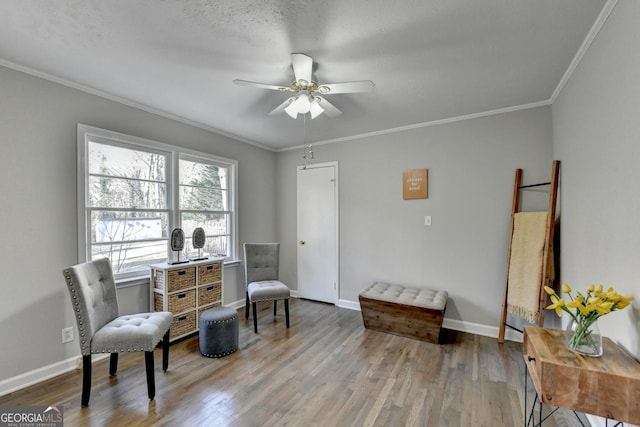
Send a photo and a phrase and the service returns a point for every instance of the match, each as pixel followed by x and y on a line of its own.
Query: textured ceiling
pixel 430 59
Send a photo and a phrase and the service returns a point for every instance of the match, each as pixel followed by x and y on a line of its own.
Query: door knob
pixel 302 242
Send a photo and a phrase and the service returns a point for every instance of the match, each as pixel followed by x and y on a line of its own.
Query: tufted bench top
pixel 436 300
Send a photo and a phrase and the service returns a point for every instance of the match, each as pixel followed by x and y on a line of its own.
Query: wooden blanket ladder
pixel 548 243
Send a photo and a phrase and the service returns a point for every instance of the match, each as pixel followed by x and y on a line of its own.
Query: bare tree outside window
pixel 134 192
pixel 128 201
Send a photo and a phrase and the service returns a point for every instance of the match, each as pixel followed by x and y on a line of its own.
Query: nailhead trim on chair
pixel 84 346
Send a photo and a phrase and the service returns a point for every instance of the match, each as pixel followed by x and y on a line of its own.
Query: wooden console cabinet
pixel 186 290
pixel 607 386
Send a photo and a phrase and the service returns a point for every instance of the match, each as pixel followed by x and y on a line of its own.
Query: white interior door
pixel 318 232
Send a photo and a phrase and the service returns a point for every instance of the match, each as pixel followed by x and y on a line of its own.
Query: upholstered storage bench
pixel 408 312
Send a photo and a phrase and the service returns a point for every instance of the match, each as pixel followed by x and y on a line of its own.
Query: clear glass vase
pixel 583 337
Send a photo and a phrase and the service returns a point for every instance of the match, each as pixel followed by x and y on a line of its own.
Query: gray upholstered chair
pixel 261 268
pixel 101 329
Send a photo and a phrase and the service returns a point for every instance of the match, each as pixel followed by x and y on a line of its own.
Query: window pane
pixel 216 228
pixel 107 192
pixel 126 162
pixel 130 257
pixel 114 226
pixel 203 199
pixel 202 175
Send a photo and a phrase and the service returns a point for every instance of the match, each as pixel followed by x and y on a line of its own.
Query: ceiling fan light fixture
pixel 291 111
pixel 315 109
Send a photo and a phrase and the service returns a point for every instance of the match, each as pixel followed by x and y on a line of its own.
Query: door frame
pixel 336 215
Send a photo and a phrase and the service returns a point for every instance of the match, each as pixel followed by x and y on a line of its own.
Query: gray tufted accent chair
pixel 261 268
pixel 100 328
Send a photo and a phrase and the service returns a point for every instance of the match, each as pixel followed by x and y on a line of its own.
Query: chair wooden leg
pixel 113 364
pixel 286 311
pixel 246 307
pixel 255 317
pixel 165 351
pixel 275 306
pixel 151 381
pixel 86 380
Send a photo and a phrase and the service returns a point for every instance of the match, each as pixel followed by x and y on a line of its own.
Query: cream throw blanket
pixel 525 266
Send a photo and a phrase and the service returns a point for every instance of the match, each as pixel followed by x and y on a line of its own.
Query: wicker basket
pixel 209 294
pixel 183 324
pixel 181 279
pixel 183 301
pixel 158 302
pixel 209 273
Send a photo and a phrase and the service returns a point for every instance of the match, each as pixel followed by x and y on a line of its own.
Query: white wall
pixel 471 167
pixel 38 208
pixel 597 136
pixel 596 122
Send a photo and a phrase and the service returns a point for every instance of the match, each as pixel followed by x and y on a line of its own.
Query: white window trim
pixel 86 133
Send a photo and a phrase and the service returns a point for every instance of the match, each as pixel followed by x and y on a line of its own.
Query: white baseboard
pixel 479 329
pixel 351 305
pixel 37 375
pixel 42 374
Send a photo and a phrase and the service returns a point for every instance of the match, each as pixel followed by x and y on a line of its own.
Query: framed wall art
pixel 414 184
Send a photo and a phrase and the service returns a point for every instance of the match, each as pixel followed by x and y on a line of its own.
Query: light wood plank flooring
pixel 326 370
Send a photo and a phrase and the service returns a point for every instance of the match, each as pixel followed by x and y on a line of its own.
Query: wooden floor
pixel 326 370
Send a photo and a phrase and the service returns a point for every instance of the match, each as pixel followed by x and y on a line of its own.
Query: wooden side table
pixel 607 386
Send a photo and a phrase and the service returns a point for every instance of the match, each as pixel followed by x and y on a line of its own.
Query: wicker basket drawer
pixel 180 279
pixel 176 303
pixel 183 301
pixel 209 273
pixel 183 324
pixel 209 294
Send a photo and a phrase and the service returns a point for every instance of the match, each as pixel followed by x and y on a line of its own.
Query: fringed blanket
pixel 525 266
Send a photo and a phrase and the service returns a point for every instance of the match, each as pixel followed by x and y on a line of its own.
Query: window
pixel 132 192
pixel 204 202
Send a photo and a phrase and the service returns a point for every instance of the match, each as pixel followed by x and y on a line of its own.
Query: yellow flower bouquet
pixel 582 334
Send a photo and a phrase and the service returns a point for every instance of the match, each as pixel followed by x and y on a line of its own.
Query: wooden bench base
pixel 401 319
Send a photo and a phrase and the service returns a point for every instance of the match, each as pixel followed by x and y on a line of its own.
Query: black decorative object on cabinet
pixel 198 240
pixel 177 244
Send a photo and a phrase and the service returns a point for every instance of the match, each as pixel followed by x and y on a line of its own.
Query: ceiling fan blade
pixel 280 108
pixel 347 87
pixel 329 109
pixel 261 85
pixel 302 66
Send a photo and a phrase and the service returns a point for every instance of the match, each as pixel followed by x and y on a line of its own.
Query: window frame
pixel 86 134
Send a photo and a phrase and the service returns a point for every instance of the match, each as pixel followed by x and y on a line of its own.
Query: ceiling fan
pixel 309 95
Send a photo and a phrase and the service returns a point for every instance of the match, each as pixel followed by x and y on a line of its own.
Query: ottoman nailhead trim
pixel 226 353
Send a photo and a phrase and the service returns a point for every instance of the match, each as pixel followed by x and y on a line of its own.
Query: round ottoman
pixel 218 331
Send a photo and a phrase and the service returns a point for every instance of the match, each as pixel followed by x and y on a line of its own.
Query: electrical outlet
pixel 67 335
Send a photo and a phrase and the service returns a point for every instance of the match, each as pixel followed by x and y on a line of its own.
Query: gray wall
pixel 471 167
pixel 39 215
pixel 597 137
